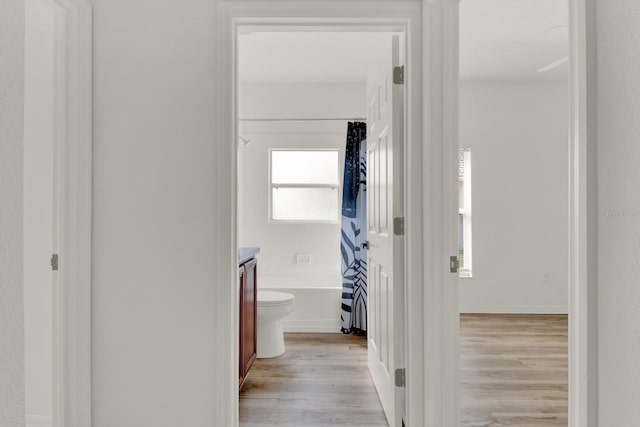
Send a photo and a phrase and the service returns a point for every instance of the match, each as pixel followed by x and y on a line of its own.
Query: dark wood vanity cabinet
pixel 248 311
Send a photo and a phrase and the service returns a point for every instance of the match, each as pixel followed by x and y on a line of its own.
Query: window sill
pixel 304 221
pixel 465 274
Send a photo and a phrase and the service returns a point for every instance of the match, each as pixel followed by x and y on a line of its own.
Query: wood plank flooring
pixel 321 380
pixel 513 370
pixel 513 373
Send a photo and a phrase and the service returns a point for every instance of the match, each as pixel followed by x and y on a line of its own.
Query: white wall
pixel 38 210
pixel 302 100
pixel 11 199
pixel 518 136
pixel 618 68
pixel 154 284
pixel 279 242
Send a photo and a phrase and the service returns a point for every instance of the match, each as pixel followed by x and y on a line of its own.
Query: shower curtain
pixel 354 231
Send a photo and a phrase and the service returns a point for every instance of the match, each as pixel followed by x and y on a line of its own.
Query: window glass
pixel 304 167
pixel 313 204
pixel 464 212
pixel 305 185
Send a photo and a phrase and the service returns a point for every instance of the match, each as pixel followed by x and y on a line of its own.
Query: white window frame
pixel 272 186
pixel 467 271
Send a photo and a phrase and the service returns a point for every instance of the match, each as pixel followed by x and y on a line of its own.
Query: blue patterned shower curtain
pixel 354 231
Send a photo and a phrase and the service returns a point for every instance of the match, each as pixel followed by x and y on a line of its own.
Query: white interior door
pixel 385 255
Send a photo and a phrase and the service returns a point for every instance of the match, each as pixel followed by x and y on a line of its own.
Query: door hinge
pixel 398 226
pixel 398 75
pixel 400 377
pixel 454 263
pixel 54 262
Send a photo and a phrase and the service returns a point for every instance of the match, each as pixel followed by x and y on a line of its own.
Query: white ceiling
pixel 512 39
pixel 499 40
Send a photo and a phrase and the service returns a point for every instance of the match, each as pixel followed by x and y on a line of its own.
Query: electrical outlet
pixel 303 258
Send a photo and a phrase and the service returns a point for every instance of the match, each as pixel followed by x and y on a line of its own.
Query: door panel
pixel 385 254
pixel 384 186
pixel 372 167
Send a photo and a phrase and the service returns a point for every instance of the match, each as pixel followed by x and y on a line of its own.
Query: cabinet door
pixel 249 307
pixel 241 285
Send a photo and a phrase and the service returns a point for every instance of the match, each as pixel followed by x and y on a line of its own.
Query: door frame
pixel 339 15
pixel 583 216
pixel 73 175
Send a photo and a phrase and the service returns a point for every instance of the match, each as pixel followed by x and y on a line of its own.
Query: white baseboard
pixel 514 309
pixel 38 421
pixel 315 325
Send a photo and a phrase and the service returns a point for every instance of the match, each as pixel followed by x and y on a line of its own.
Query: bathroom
pixel 298 92
pixel 299 256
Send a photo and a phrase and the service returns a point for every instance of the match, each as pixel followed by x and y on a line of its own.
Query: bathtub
pixel 318 299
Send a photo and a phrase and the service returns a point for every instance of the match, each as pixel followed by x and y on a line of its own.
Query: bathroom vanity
pixel 248 308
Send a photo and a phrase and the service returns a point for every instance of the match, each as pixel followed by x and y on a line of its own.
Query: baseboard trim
pixel 316 325
pixel 38 421
pixel 514 309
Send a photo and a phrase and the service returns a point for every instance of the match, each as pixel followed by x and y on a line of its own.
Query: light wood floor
pixel 321 380
pixel 513 373
pixel 513 370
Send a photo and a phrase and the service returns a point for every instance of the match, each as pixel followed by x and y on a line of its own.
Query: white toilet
pixel 272 307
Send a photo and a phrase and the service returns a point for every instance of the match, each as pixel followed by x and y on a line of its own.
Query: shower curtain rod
pixel 353 119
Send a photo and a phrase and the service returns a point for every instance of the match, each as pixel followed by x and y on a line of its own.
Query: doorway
pixel 293 115
pixel 514 175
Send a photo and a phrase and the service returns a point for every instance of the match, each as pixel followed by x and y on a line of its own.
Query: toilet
pixel 272 307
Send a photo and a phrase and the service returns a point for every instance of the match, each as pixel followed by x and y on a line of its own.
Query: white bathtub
pixel 318 299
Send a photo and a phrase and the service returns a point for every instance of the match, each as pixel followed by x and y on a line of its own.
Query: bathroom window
pixel 464 211
pixel 304 185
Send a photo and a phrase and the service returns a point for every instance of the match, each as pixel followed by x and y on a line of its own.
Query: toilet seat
pixel 274 299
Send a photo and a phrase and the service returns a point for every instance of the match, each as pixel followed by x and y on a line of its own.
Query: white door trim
pixel 344 15
pixel 73 150
pixel 440 300
pixel 583 213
